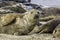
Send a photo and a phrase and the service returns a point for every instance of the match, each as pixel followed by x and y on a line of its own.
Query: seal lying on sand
pixel 16 25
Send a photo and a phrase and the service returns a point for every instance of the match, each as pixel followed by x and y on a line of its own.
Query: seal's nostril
pixel 36 16
pixel 38 12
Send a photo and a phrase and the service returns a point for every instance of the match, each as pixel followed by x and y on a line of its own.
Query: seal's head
pixel 33 14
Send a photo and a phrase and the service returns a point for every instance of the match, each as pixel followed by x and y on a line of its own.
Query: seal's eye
pixel 31 12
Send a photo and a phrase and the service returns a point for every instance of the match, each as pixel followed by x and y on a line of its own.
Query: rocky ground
pixel 19 23
pixel 28 37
